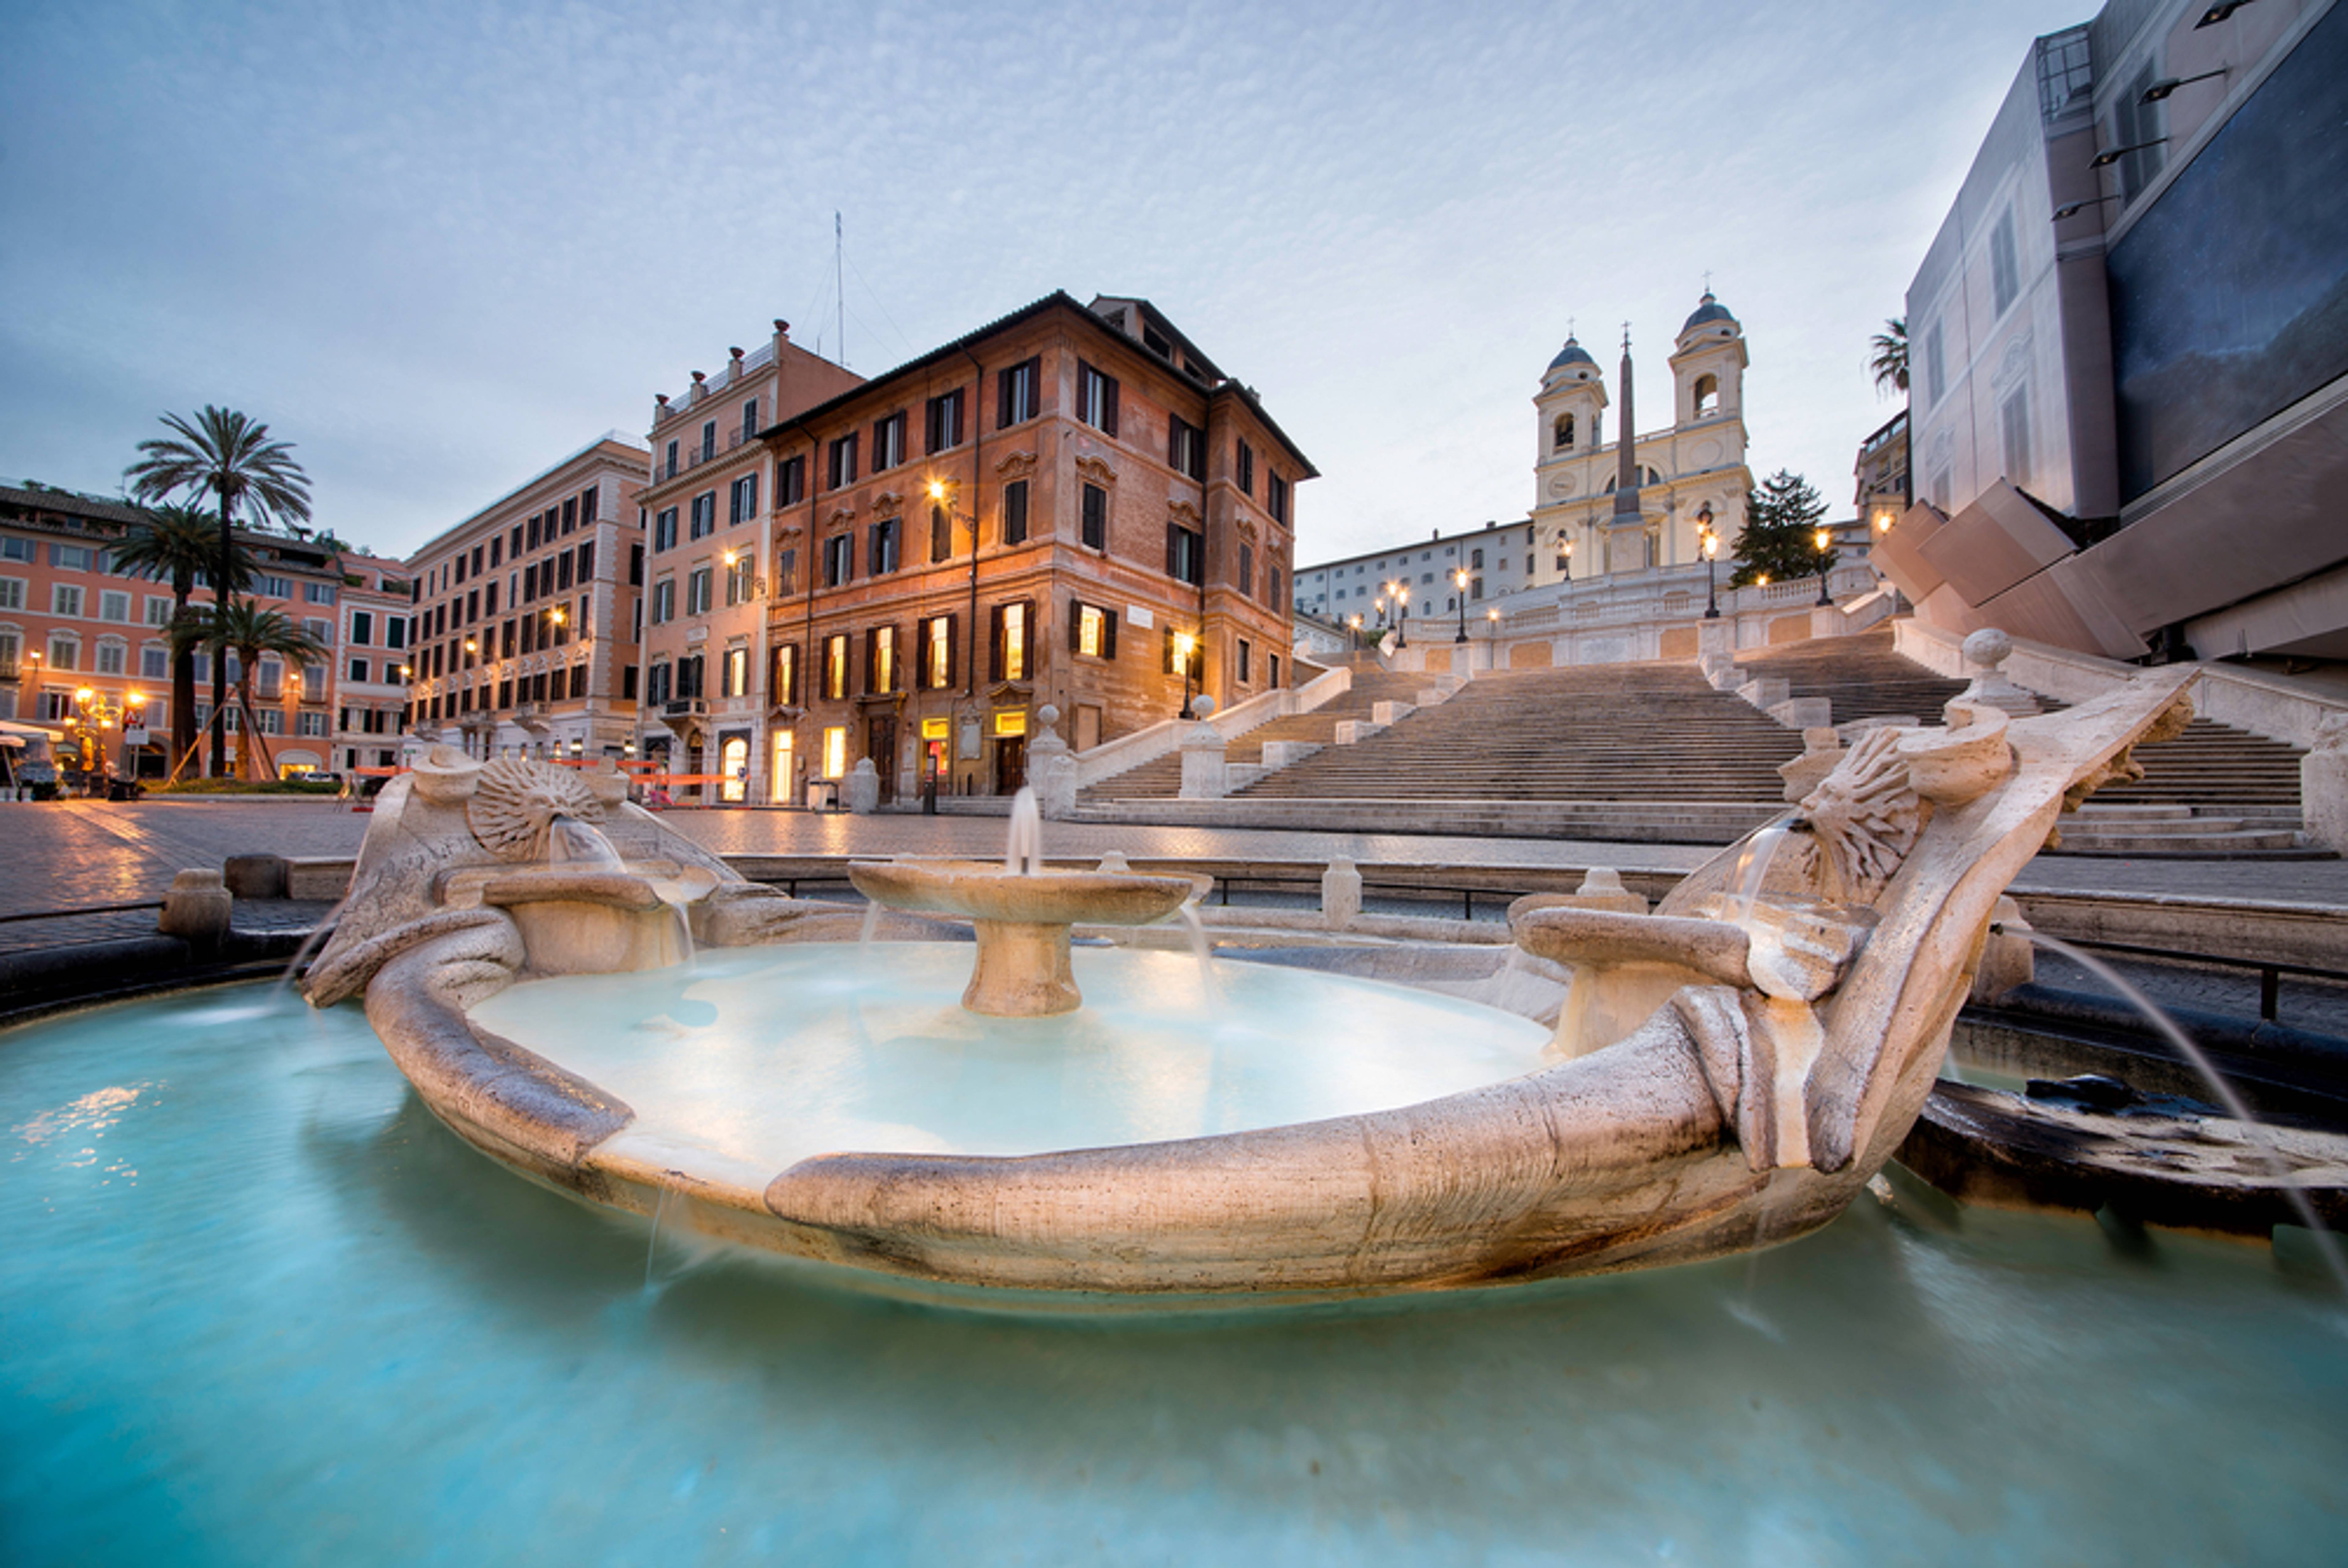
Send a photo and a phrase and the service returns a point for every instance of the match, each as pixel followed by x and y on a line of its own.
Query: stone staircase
pixel 1160 778
pixel 1651 750
pixel 2214 790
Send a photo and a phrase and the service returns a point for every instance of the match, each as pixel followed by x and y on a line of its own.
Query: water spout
pixel 579 845
pixel 2326 1245
pixel 1753 867
pixel 1024 855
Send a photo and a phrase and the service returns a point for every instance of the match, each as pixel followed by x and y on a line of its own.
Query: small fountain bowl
pixel 983 890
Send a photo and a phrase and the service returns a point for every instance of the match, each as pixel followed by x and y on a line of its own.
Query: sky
pixel 442 244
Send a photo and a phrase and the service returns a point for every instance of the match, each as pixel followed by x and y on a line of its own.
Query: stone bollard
pixel 1986 652
pixel 1341 893
pixel 256 876
pixel 863 787
pixel 1601 888
pixel 2007 959
pixel 197 908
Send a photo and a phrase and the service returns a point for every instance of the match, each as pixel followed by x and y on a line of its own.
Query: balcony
pixel 684 708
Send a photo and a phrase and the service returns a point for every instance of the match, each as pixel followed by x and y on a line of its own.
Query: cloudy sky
pixel 439 244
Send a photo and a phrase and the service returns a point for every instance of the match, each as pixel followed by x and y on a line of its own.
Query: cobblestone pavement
pixel 64 855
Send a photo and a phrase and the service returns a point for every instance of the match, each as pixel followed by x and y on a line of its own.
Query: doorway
pixel 1010 763
pixel 881 746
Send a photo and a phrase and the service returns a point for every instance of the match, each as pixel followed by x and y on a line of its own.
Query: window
pixel 358 671
pixel 742 500
pixel 839 561
pixel 1186 554
pixel 783 674
pixel 1275 498
pixel 888 442
pixel 1246 469
pixel 324 592
pixel 1247 569
pixel 733 673
pixel 697 592
pixel 113 656
pixel 835 667
pixel 1476 559
pixel 12 593
pixel 1707 397
pixel 2004 268
pixel 750 419
pixel 941 533
pixel 2013 428
pixel 664 530
pixel 944 423
pixel 113 606
pixel 1186 447
pixel 64 598
pixel 1170 662
pixel 1475 588
pixel 881 556
pixel 704 520
pixel 69 557
pixel 787 572
pixel 835 752
pixel 840 463
pixel 937 652
pixel 1097 398
pixel 1561 434
pixel 880 672
pixel 688 676
pixel 13 549
pixel 1015 512
pixel 1246 652
pixel 657 685
pixel 395 628
pixel 587 513
pixel 1096 517
pixel 742 579
pixel 311 723
pixel 1271 669
pixel 1009 640
pixel 1016 390
pixel 1092 631
pixel 708 439
pixel 158 610
pixel 362 627
pixel 155 662
pixel 268 587
pixel 668 463
pixel 636 565
pixel 322 630
pixel 664 601
pixel 791 481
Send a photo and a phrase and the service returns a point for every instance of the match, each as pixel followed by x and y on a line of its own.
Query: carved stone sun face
pixel 517 801
pixel 1863 819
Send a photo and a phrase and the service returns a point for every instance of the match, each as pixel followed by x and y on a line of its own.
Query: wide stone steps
pixel 1160 778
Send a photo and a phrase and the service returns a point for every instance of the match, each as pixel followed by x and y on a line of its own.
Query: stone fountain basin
pixel 982 890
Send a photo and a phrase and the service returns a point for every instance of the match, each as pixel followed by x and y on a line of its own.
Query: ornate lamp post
pixel 1356 624
pixel 1710 542
pixel 1400 590
pixel 1459 582
pixel 1183 644
pixel 1565 548
pixel 1822 538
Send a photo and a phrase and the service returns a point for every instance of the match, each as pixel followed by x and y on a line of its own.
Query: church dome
pixel 1572 354
pixel 1708 310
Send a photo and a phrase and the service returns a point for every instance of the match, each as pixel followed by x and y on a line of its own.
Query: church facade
pixel 1600 511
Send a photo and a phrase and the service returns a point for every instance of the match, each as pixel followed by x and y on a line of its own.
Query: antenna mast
pixel 839 286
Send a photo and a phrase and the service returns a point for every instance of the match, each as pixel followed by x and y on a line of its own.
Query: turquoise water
pixel 768 1055
pixel 258 1306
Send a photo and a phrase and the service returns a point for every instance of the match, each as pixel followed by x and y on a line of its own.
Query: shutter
pixel 1108 633
pixel 1028 649
pixel 994 643
pixel 871 658
pixel 1076 625
pixel 1003 399
pixel 953 432
pixel 954 648
pixel 1165 665
pixel 1109 406
pixel 1173 540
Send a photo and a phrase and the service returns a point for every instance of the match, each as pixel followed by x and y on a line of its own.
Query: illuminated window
pixel 835 752
pixel 835 666
pixel 937 653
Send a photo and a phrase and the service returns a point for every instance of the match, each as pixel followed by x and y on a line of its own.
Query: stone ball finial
pixel 1988 648
pixel 1047 715
pixel 1203 706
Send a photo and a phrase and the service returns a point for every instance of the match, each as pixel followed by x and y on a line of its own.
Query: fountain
pixel 338 1310
pixel 1741 1062
pixel 1020 914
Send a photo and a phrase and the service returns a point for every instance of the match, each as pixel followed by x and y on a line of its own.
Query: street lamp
pixel 1709 542
pixel 1822 538
pixel 1565 548
pixel 1402 612
pixel 1183 643
pixel 1459 582
pixel 1356 624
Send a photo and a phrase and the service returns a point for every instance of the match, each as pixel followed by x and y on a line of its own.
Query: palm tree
pixel 251 632
pixel 1890 361
pixel 231 457
pixel 175 544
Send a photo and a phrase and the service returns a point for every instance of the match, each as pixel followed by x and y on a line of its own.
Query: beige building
pixel 710 565
pixel 521 622
pixel 371 663
pixel 1685 477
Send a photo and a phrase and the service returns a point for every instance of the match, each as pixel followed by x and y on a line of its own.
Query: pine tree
pixel 1780 537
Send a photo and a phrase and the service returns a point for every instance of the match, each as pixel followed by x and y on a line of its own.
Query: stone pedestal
pixel 1203 774
pixel 2323 791
pixel 197 908
pixel 1986 652
pixel 1051 767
